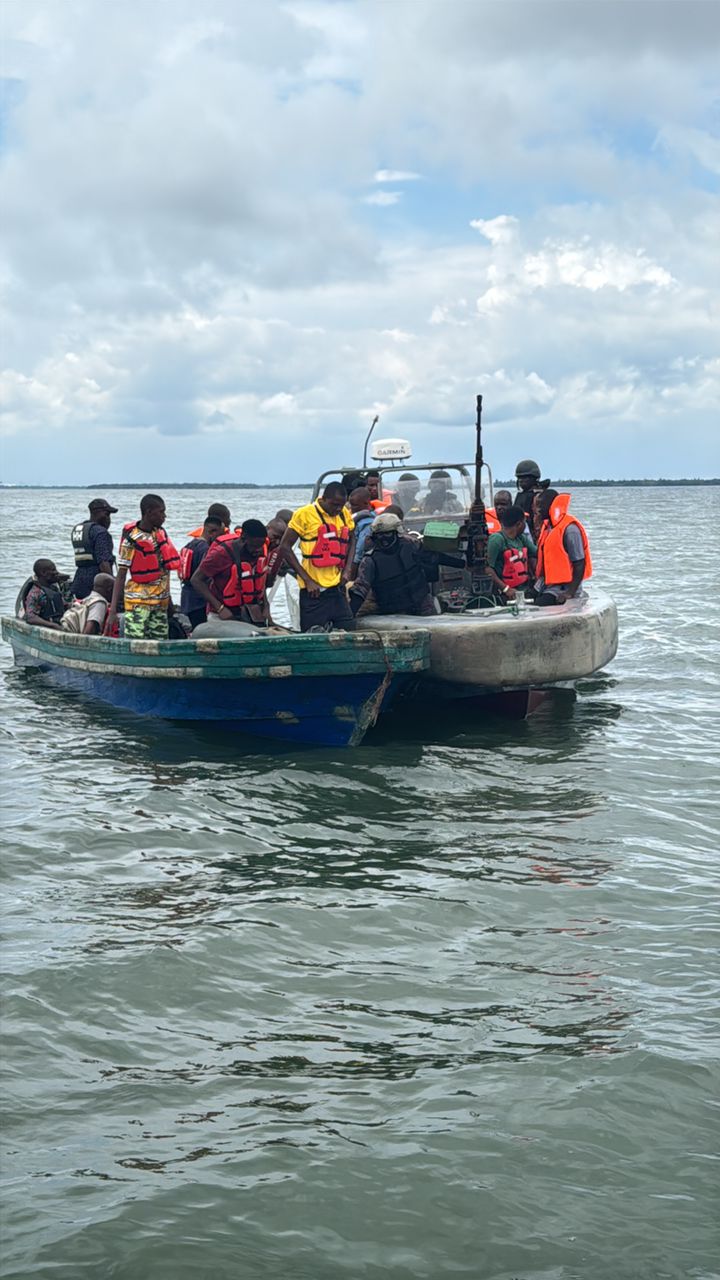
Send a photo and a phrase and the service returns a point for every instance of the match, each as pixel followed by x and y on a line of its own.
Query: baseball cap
pixel 101 504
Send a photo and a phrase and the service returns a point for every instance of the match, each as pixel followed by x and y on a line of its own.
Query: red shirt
pixel 217 565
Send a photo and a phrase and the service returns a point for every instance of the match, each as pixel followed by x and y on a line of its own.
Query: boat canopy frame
pixel 466 469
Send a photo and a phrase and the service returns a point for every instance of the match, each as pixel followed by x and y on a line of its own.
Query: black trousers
pixel 197 617
pixel 330 606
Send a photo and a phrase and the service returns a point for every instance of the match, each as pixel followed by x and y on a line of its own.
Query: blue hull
pixel 329 712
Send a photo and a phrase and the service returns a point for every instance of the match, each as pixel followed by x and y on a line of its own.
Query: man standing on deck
pixel 92 547
pixel 145 560
pixel 192 604
pixel 563 560
pixel 327 544
pixel 233 575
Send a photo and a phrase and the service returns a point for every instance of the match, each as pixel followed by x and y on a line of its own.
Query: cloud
pixel 395 175
pixel 190 263
pixel 383 198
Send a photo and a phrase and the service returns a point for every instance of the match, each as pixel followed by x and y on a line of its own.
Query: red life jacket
pixel 185 572
pixel 514 567
pixel 246 584
pixel 151 559
pixel 331 546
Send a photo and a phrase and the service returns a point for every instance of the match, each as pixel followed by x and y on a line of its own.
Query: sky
pixel 234 232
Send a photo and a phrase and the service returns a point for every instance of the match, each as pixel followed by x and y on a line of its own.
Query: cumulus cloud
pixel 395 175
pixel 192 263
pixel 383 198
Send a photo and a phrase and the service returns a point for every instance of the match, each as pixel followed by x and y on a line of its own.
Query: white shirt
pixel 92 609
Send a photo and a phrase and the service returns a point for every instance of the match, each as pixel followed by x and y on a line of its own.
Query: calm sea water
pixel 441 1006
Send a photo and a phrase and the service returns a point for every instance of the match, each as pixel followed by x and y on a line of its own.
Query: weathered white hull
pixel 487 650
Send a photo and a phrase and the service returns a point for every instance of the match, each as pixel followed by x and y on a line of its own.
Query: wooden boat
pixel 322 689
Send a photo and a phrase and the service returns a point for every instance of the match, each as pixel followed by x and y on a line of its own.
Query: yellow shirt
pixel 306 522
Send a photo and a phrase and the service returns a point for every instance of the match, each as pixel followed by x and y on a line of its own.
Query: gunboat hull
pixel 488 651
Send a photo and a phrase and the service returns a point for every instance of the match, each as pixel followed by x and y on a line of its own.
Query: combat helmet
pixel 527 468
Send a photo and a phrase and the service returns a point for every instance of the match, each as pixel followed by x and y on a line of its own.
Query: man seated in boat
pixel 510 563
pixel 406 494
pixel 325 529
pixel 563 560
pixel 146 558
pixel 501 502
pixel 393 571
pixel 44 598
pixel 86 617
pixel 192 604
pixel 440 499
pixel 233 576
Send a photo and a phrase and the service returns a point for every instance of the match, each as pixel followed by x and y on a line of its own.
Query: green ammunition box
pixel 441 535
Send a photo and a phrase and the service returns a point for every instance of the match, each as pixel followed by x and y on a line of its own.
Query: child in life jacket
pixel 510 563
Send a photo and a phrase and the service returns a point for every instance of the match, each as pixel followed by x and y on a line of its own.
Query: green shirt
pixel 497 544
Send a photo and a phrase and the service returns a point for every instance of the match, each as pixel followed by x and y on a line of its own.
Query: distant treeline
pixel 606 484
pixel 297 484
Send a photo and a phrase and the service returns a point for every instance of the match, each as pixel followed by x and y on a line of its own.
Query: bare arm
pixel 578 573
pixel 118 590
pixel 34 620
pixel 289 539
pixel 201 583
pixel 347 572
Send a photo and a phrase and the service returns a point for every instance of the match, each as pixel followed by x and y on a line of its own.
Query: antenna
pixel 373 425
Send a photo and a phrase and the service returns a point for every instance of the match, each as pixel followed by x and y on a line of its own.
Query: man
pixel 86 617
pixel 45 603
pixel 327 544
pixel 233 575
pixel 277 564
pixel 406 493
pixel 563 560
pixel 393 570
pixel 440 499
pixel 146 559
pixel 192 604
pixel 92 546
pixel 372 482
pixel 493 515
pixel 508 560
pixel 527 474
pixel 363 516
pixel 216 511
pixel 284 514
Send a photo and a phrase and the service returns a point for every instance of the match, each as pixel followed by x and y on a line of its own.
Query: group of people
pixel 349 551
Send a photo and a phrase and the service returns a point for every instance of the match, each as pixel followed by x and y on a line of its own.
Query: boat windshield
pixel 424 492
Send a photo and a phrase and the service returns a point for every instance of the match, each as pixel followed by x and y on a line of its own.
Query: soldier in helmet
pixel 527 474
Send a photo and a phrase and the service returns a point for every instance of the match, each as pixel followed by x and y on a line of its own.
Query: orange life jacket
pixel 380 504
pixel 331 546
pixel 493 524
pixel 151 559
pixel 554 565
pixel 198 533
pixel 246 584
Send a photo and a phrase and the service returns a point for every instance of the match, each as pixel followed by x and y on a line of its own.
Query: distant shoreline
pixel 225 484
